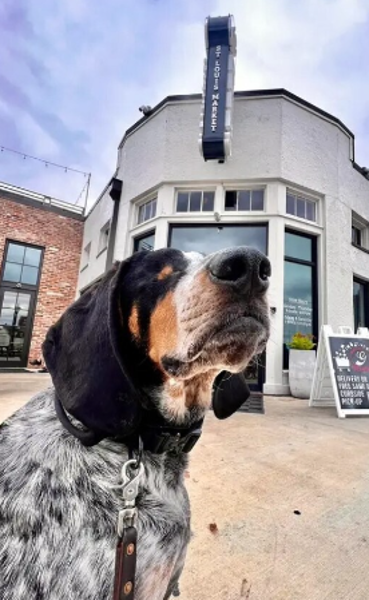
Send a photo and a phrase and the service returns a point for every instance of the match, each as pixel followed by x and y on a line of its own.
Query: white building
pixel 291 188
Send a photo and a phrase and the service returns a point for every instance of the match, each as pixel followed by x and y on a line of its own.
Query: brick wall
pixel 61 238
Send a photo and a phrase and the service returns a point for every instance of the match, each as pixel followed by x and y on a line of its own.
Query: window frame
pixel 307 199
pixel 237 191
pixel 189 191
pixel 18 285
pixel 313 263
pixel 362 227
pixel 365 285
pixel 140 205
pixel 136 240
pixel 356 236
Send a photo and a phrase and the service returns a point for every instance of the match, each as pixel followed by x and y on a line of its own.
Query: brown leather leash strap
pixel 125 565
pixel 126 549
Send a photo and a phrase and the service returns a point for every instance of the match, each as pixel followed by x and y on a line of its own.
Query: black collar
pixel 155 433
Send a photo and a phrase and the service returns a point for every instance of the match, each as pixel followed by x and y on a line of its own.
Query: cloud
pixel 74 72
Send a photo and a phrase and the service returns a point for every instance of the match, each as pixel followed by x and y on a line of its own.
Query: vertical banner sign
pixel 216 123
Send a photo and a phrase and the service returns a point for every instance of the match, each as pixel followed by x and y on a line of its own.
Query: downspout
pixel 115 194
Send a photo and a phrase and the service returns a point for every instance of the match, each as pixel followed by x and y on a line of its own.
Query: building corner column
pixel 275 380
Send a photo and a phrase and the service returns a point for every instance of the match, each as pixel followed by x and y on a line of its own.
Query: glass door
pixel 16 312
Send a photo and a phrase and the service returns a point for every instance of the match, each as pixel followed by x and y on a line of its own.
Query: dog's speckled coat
pixel 58 514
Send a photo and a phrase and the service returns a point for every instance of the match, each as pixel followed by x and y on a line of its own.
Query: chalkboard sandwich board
pixel 341 376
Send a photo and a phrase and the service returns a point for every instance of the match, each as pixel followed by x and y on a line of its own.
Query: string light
pixel 46 163
pixel 58 166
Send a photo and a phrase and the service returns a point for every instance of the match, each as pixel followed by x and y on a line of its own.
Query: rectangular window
pixel 361 303
pixel 300 207
pixel 359 232
pixel 195 201
pixel 244 200
pixel 104 237
pixel 356 236
pixel 300 288
pixel 144 242
pixel 147 211
pixel 22 264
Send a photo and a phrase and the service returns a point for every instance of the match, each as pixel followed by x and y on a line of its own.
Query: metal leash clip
pixel 132 472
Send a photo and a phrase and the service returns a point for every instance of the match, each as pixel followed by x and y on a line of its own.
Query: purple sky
pixel 74 72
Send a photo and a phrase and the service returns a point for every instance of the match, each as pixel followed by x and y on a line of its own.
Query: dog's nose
pixel 245 269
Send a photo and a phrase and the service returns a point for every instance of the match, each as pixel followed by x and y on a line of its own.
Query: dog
pixel 133 361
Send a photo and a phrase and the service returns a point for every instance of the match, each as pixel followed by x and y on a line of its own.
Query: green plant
pixel 301 341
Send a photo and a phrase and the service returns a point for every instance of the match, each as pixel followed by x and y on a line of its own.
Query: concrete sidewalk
pixel 280 502
pixel 17 388
pixel 288 496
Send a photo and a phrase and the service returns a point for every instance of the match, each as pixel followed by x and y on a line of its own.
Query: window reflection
pixel 14 313
pixel 15 253
pixel 244 200
pixel 22 264
pixel 195 201
pixel 300 311
pixel 29 275
pixel 145 242
pixel 146 211
pixel 12 272
pixel 298 300
pixel 32 257
pixel 298 246
pixel 360 301
pixel 300 207
pixel 208 239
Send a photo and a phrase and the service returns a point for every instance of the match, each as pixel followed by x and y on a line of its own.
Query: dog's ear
pixel 84 356
pixel 229 393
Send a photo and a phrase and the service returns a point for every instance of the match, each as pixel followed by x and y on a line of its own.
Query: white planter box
pixel 301 371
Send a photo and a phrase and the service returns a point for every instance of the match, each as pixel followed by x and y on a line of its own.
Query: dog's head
pixel 157 331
